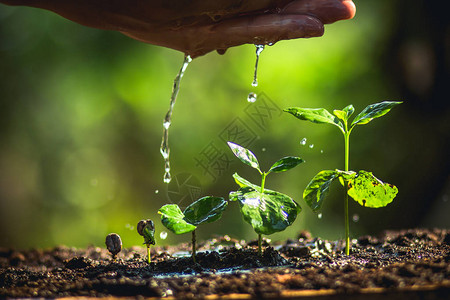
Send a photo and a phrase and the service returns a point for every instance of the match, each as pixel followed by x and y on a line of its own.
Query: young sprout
pixel 113 244
pixel 146 228
pixel 362 186
pixel 204 210
pixel 267 211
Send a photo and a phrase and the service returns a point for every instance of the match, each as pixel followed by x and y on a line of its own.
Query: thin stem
pixel 259 244
pixel 193 246
pixel 149 257
pixel 263 181
pixel 347 229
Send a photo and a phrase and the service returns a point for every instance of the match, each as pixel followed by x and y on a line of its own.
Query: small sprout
pixel 362 186
pixel 146 228
pixel 267 211
pixel 113 244
pixel 205 210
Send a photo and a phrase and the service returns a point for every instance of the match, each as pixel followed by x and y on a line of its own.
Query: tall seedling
pixel 362 186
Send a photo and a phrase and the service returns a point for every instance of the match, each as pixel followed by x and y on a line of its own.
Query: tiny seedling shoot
pixel 267 211
pixel 146 228
pixel 113 244
pixel 362 186
pixel 205 210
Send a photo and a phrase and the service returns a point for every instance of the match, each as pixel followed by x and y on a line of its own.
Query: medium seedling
pixel 267 211
pixel 362 186
pixel 205 210
pixel 146 228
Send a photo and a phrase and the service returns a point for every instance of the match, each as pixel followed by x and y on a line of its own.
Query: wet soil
pixel 409 264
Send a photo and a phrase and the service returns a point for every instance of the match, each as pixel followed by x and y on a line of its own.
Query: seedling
pixel 267 211
pixel 113 244
pixel 362 186
pixel 146 228
pixel 205 210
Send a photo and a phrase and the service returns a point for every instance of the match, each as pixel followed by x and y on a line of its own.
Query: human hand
pixel 197 27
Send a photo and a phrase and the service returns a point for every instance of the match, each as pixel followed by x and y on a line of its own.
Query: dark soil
pixel 412 264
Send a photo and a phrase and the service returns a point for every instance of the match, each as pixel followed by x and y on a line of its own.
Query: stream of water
pixel 165 150
pixel 252 96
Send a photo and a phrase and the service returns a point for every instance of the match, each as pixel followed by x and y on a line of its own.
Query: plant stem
pixel 347 229
pixel 149 258
pixel 259 244
pixel 193 246
pixel 263 181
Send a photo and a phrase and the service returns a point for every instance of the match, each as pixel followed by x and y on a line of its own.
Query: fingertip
pixel 351 8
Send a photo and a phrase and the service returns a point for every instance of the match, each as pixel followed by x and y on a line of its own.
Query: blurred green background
pixel 81 115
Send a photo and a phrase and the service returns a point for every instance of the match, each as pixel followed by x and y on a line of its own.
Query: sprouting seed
pixel 113 244
pixel 146 228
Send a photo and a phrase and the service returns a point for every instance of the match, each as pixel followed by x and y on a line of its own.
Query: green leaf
pixel 340 114
pixel 349 110
pixel 173 219
pixel 369 191
pixel 205 210
pixel 267 212
pixel 374 111
pixel 245 155
pixel 315 115
pixel 149 235
pixel 286 163
pixel 242 182
pixel 345 113
pixel 318 189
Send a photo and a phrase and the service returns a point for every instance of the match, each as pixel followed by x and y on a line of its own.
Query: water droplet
pixel 129 226
pixel 163 235
pixel 156 191
pixel 251 97
pixel 311 146
pixel 270 44
pixel 164 153
pixel 319 215
pixel 321 151
pixel 167 177
pixel 166 125
pixel 263 149
pixel 303 141
pixel 355 218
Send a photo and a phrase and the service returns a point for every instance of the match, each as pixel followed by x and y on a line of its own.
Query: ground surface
pixel 406 264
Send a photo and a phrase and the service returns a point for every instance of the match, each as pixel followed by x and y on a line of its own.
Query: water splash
pixel 252 97
pixel 319 215
pixel 303 142
pixel 165 150
pixel 311 146
pixel 259 49
pixel 156 191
